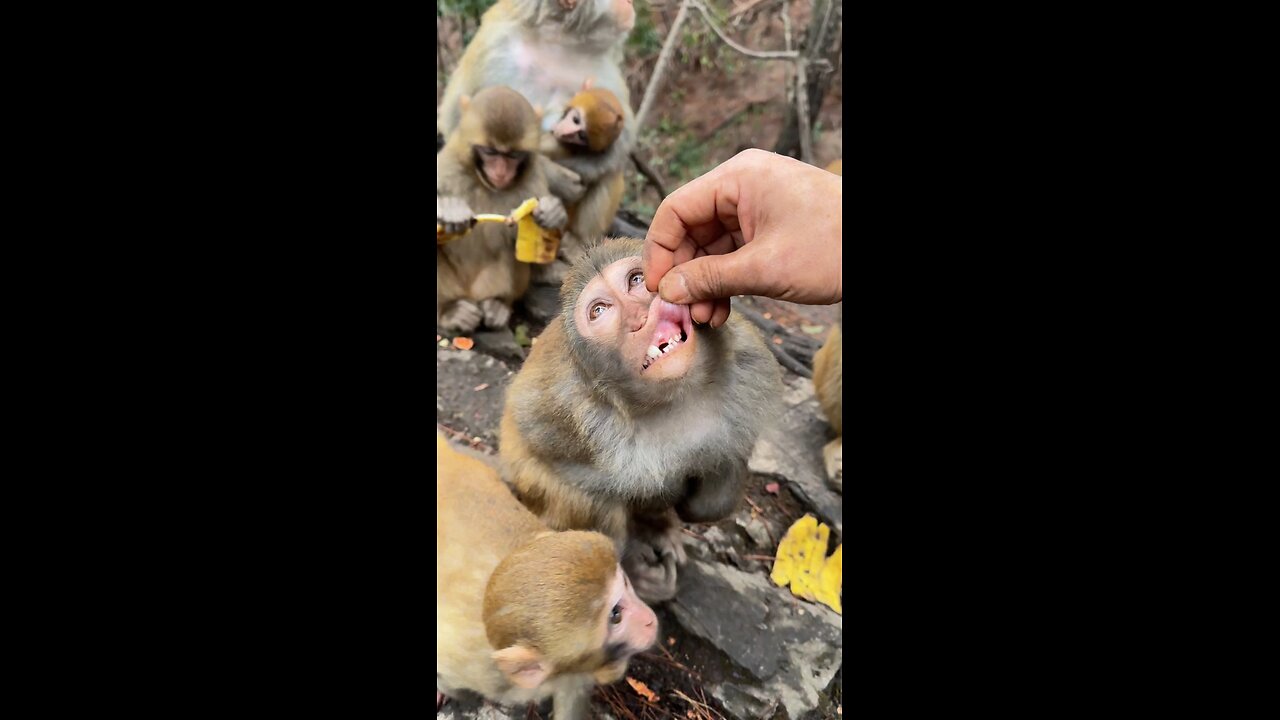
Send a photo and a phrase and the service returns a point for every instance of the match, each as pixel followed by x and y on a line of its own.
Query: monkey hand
pixel 454 214
pixel 651 559
pixel 462 317
pixel 563 182
pixel 550 213
pixel 496 313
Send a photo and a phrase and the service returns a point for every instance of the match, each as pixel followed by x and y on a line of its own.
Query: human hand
pixel 759 224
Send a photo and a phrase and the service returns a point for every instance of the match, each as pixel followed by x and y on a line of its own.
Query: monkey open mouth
pixel 671 331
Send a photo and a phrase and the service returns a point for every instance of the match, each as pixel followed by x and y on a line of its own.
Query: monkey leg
pixel 833 458
pixel 591 216
pixel 461 316
pixel 714 495
pixel 571 699
pixel 653 551
pixel 496 312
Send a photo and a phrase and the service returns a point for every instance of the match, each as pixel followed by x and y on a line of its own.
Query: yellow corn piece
pixel 801 561
pixel 533 244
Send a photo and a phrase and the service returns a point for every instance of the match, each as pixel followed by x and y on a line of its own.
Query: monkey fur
pixel 588 444
pixel 511 595
pixel 548 51
pixel 477 275
pixel 829 386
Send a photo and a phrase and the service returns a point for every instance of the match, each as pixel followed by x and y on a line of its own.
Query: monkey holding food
pixel 523 613
pixel 627 418
pixel 547 49
pixel 489 165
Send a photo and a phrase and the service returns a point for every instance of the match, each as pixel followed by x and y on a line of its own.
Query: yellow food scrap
pixel 802 562
pixel 534 244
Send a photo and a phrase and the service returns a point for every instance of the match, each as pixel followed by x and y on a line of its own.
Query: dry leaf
pixel 777 340
pixel 813 329
pixel 444 343
pixel 464 343
pixel 771 488
pixel 480 387
pixel 642 690
pixel 768 316
pixel 671 641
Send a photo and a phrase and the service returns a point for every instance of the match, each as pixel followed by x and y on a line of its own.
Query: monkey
pixel 628 418
pixel 524 613
pixel 592 122
pixel 836 167
pixel 488 165
pixel 547 49
pixel 829 386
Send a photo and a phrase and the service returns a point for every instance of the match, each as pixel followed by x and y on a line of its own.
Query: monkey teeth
pixel 656 351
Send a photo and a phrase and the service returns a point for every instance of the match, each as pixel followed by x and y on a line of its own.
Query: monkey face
pixel 498 169
pixel 572 128
pixel 654 338
pixel 629 625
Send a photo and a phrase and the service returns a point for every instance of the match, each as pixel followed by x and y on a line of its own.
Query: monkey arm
pixel 563 182
pixel 593 166
pixel 713 496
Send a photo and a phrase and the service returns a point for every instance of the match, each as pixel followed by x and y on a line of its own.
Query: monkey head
pixel 592 120
pixel 497 132
pixel 626 339
pixel 580 17
pixel 562 605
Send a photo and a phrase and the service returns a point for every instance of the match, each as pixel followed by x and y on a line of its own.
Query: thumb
pixel 711 277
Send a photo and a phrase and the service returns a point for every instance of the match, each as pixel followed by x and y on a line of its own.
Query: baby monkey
pixel 591 123
pixel 524 613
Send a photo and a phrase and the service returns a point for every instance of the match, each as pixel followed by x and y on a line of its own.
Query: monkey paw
pixel 833 458
pixel 565 183
pixel 463 317
pixel 550 213
pixel 496 312
pixel 653 576
pixel 454 214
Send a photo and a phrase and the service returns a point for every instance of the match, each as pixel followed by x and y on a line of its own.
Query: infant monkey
pixel 523 613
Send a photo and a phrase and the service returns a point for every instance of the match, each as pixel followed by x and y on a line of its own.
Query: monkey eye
pixel 635 279
pixel 597 310
pixel 615 617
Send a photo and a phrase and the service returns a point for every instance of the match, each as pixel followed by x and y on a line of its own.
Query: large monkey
pixel 547 49
pixel 523 613
pixel 488 165
pixel 627 418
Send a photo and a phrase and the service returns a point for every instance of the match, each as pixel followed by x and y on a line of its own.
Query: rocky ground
pixel 732 644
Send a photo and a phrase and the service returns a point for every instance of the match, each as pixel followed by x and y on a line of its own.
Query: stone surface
pixel 459 405
pixel 792 450
pixel 801 650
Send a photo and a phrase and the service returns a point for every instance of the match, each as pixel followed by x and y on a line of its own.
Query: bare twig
pixel 650 175
pixel 749 6
pixel 770 558
pixel 762 54
pixel 753 504
pixel 659 70
pixel 772 328
pixel 786 22
pixel 789 362
pixel 802 106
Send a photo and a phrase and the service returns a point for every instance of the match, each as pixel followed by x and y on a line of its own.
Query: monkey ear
pixel 525 667
pixel 464 102
pixel 586 84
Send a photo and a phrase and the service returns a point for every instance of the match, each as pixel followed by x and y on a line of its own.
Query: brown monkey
pixel 488 165
pixel 523 613
pixel 591 123
pixel 828 384
pixel 627 418
pixel 547 49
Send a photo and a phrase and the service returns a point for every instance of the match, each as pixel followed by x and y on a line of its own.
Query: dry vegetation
pixel 717 101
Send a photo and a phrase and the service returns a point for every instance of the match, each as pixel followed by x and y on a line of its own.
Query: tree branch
pixel 763 54
pixel 650 175
pixel 660 70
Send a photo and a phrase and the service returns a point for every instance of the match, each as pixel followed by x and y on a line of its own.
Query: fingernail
pixel 674 288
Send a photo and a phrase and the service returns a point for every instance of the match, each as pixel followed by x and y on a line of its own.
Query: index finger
pixel 694 213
